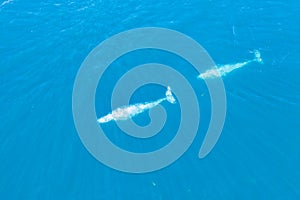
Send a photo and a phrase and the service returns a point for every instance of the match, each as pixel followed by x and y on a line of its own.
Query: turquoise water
pixel 42 45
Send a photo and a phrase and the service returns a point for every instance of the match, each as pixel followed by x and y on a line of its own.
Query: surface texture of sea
pixel 42 45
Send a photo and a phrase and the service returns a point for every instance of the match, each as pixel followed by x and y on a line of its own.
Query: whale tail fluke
pixel 257 56
pixel 169 96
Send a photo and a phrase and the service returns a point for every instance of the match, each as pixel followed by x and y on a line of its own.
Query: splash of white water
pixel 6 2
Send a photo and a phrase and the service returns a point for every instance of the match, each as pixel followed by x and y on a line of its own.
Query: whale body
pixel 127 112
pixel 225 69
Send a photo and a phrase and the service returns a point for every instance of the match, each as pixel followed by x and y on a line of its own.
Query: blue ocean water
pixel 42 45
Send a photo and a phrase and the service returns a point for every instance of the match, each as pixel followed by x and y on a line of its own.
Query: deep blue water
pixel 42 45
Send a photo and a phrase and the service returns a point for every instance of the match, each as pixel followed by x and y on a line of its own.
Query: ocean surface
pixel 42 46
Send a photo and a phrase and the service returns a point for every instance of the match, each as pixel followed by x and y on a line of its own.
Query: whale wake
pixel 225 69
pixel 127 112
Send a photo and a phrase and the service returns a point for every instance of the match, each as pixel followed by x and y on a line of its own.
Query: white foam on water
pixel 6 2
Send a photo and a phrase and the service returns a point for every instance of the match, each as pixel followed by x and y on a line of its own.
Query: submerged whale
pixel 127 112
pixel 225 69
